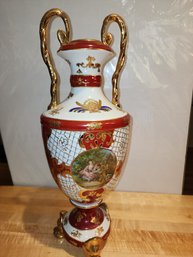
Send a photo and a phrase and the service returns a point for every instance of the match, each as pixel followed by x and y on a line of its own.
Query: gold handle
pixel 106 38
pixel 64 38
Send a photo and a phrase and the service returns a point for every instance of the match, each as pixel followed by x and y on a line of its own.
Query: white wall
pixel 156 85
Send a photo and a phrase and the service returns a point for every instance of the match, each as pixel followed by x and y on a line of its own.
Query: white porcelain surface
pixel 82 95
pixel 81 55
pixel 156 85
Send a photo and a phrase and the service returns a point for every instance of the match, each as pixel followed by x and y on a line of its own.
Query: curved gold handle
pixel 64 38
pixel 106 38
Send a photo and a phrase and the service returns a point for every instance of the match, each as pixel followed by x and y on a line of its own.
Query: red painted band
pixel 83 218
pixel 85 81
pixel 86 125
pixel 83 43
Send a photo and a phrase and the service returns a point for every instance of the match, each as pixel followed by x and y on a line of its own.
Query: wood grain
pixel 143 224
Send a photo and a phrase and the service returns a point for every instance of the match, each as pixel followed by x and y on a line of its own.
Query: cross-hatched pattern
pixel 112 183
pixel 69 187
pixel 121 139
pixel 64 145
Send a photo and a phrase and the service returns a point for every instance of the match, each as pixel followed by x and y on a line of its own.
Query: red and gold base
pixel 86 228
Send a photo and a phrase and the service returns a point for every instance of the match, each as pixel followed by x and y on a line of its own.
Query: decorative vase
pixel 86 137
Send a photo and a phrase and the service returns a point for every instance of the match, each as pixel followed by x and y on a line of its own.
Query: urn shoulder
pixel 86 101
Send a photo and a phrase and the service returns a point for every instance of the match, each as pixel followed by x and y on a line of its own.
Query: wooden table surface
pixel 143 224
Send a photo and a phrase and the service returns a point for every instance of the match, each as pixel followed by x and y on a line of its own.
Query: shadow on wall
pixel 188 172
pixel 5 175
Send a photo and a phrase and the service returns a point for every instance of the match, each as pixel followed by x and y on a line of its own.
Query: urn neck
pixel 86 59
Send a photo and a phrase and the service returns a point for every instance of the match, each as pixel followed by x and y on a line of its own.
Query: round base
pixel 81 225
pixel 86 228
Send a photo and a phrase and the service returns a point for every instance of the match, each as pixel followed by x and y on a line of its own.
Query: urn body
pixel 87 136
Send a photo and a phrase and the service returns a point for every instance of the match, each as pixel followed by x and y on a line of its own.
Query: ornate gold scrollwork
pixel 107 39
pixel 63 38
pixel 58 230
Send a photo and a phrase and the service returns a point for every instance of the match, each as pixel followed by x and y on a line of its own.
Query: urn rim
pixel 85 44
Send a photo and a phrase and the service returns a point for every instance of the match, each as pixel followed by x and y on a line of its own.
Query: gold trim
pixel 63 38
pixel 58 230
pixel 90 64
pixel 107 39
pixel 53 123
pixel 93 247
pixel 76 234
pixel 55 111
pixel 99 231
pixel 91 105
pixel 94 125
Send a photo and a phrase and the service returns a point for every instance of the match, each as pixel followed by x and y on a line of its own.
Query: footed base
pixel 86 228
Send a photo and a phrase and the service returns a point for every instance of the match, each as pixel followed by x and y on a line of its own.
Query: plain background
pixel 156 85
